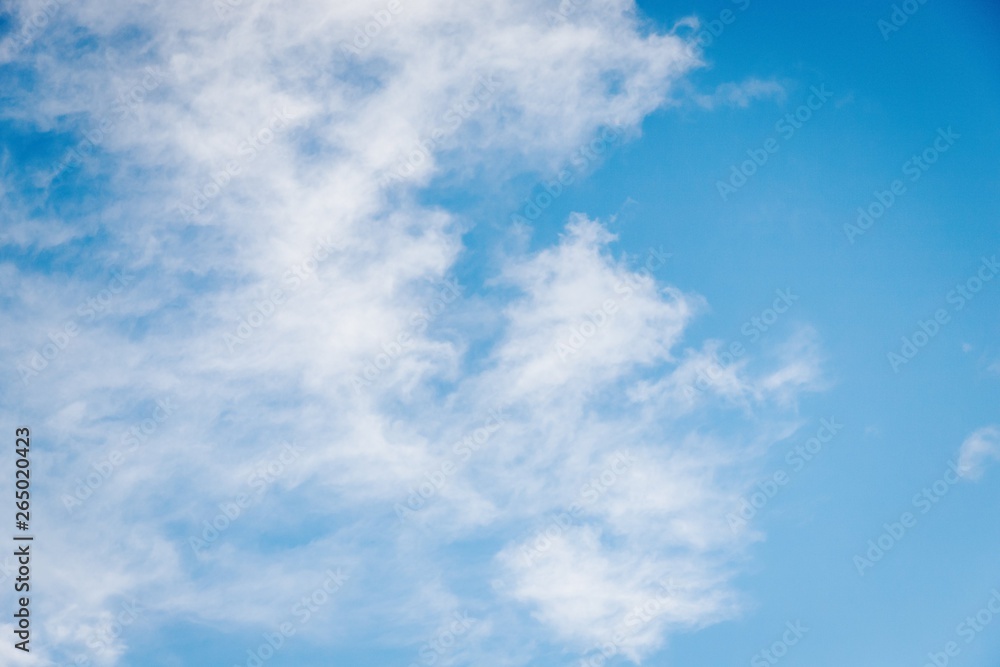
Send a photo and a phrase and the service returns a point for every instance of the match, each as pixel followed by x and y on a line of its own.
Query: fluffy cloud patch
pixel 982 446
pixel 242 334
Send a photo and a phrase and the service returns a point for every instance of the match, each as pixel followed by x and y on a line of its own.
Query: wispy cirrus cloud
pixel 741 94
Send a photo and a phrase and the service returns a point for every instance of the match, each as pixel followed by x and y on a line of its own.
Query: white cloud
pixel 574 393
pixel 977 450
pixel 741 94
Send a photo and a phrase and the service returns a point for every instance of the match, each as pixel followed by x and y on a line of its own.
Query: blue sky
pixel 476 352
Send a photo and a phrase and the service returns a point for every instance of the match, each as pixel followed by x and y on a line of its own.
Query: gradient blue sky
pixel 683 117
